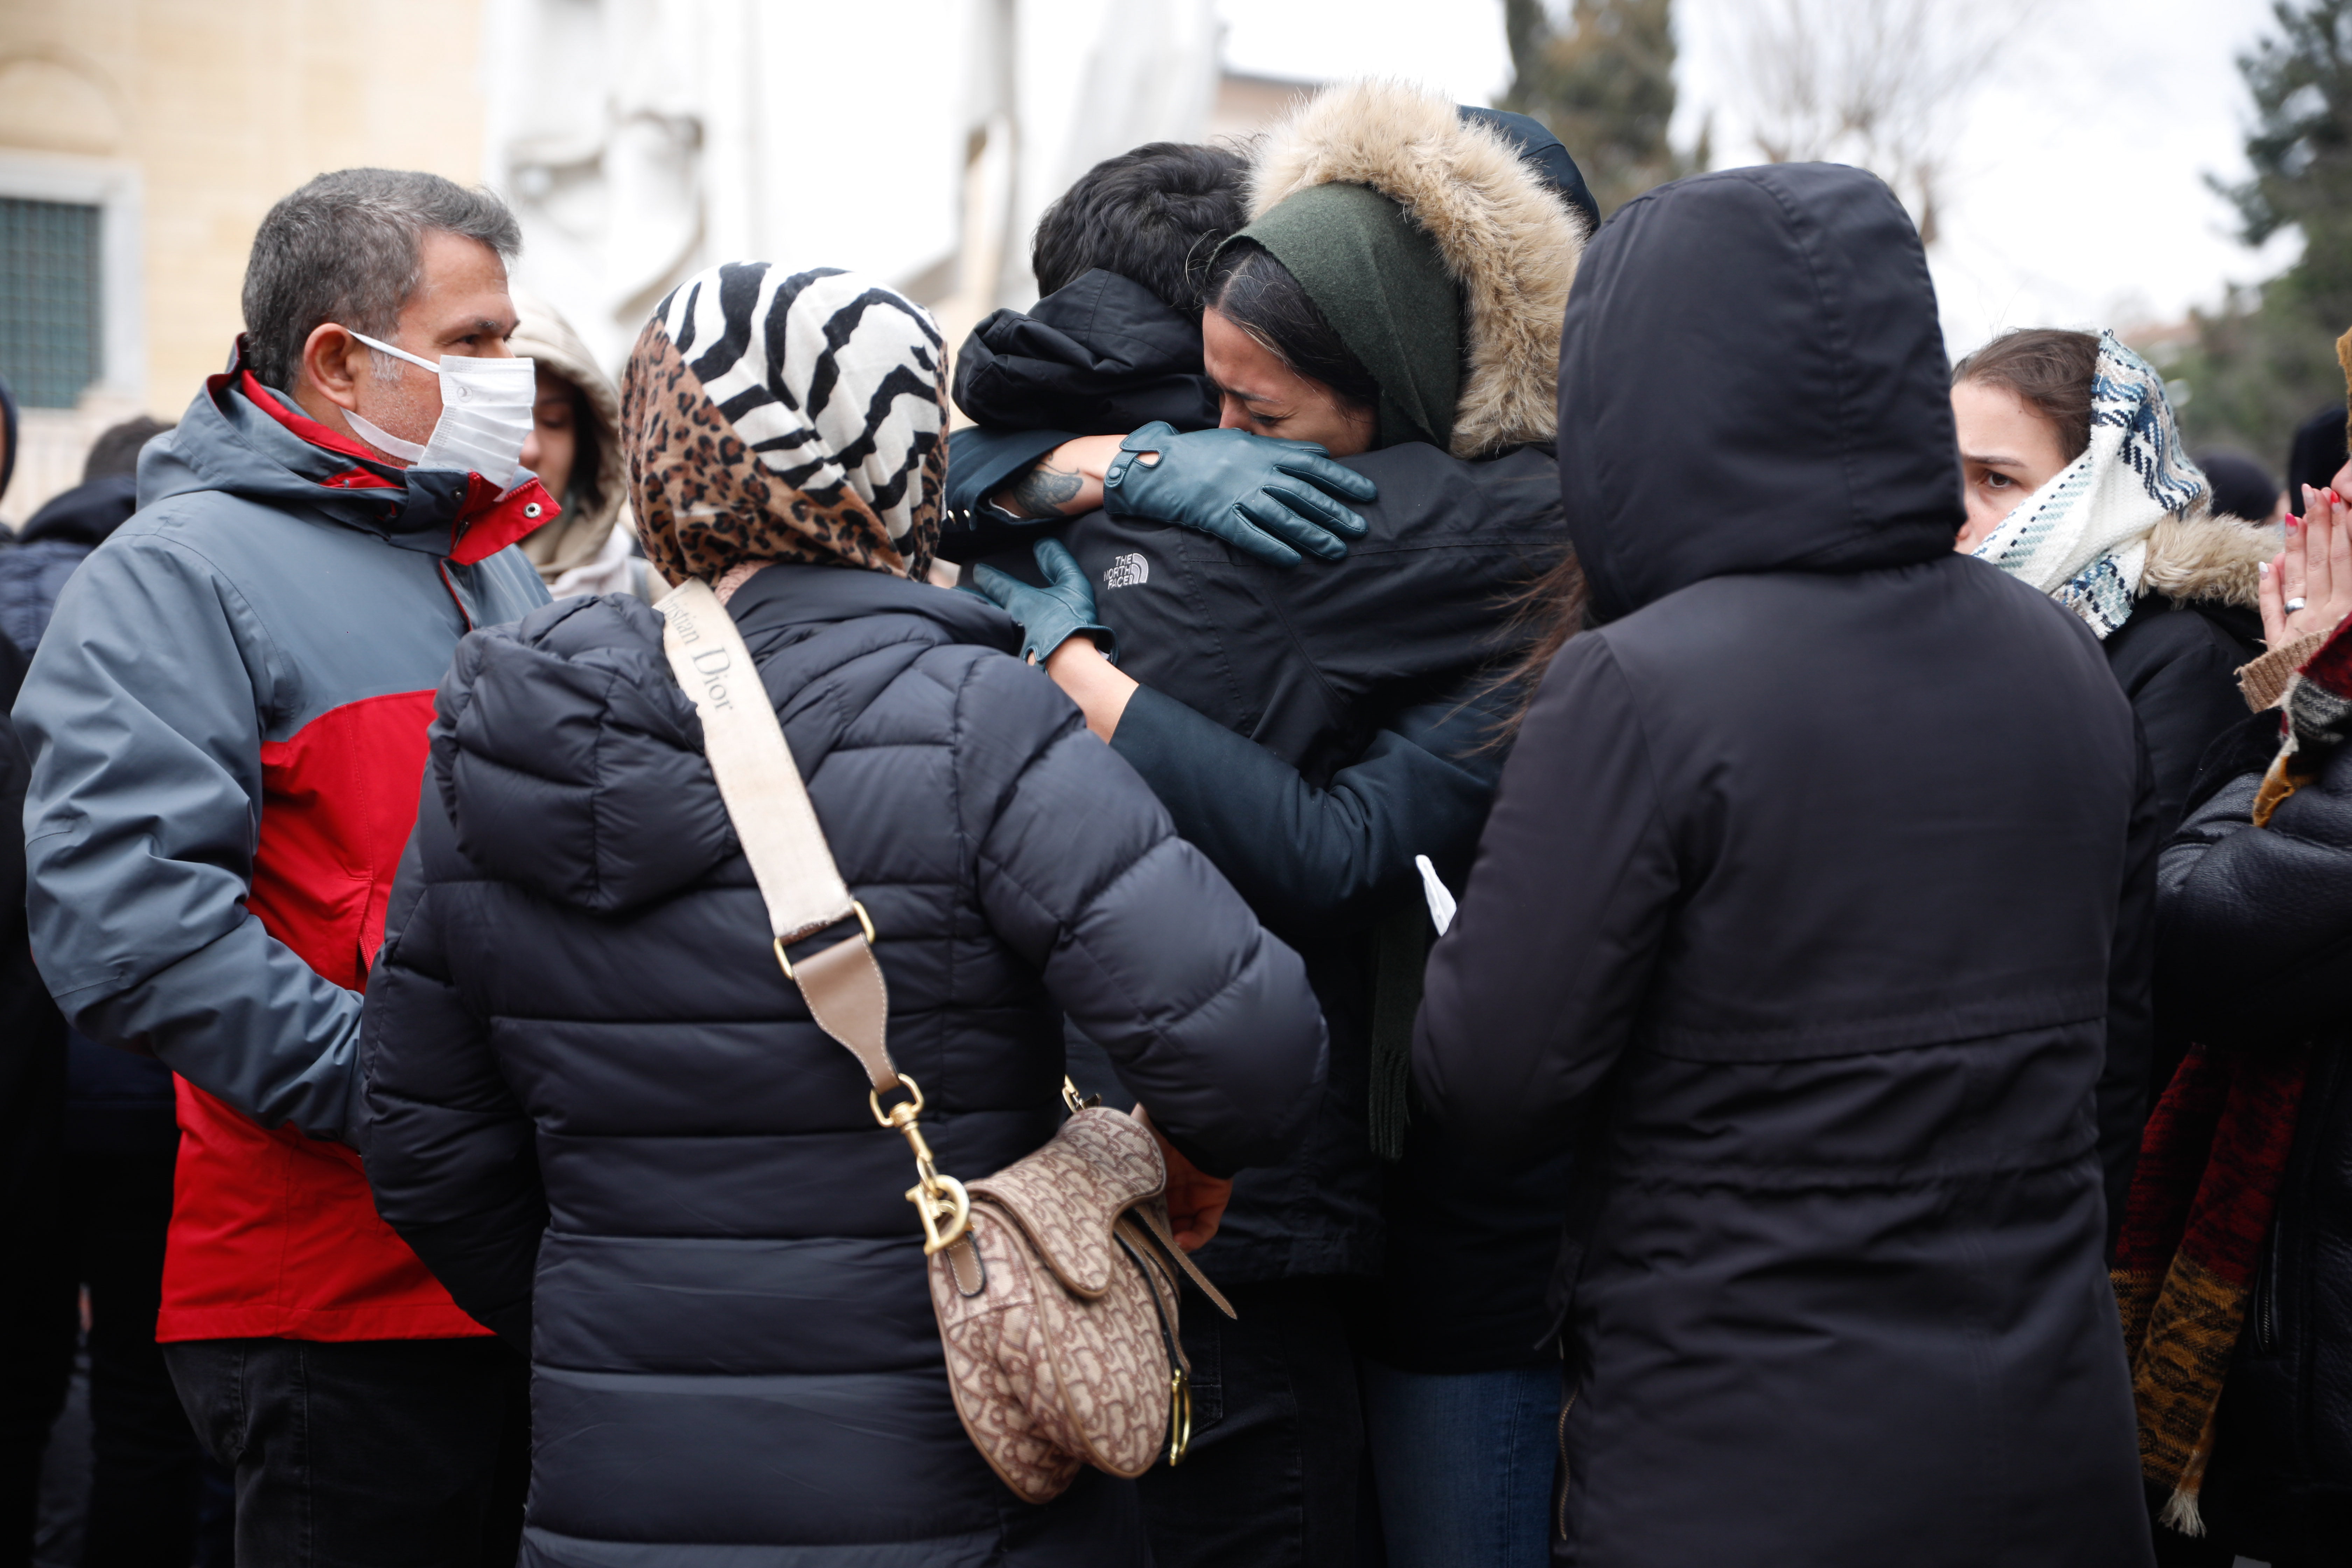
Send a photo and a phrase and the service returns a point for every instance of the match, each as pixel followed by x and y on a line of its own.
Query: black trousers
pixel 36 1301
pixel 144 1454
pixel 373 1454
pixel 1276 1474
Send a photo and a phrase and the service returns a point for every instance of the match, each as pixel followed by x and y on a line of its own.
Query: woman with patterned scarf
pixel 2077 483
pixel 602 1113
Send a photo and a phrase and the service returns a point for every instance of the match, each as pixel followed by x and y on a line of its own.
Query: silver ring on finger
pixel 2293 605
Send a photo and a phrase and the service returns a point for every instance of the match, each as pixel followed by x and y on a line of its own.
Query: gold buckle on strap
pixel 864 921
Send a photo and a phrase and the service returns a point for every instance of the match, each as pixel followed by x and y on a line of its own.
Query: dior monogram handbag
pixel 1054 1281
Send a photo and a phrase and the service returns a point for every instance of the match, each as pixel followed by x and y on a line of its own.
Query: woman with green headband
pixel 1395 301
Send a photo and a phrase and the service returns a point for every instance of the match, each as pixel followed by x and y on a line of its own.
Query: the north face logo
pixel 1127 572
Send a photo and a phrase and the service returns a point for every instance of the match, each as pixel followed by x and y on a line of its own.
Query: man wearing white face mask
pixel 227 728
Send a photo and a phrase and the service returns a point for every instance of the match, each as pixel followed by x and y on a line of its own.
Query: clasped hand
pixel 2307 586
pixel 1261 495
pixel 1049 616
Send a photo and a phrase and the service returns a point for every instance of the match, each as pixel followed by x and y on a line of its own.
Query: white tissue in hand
pixel 1441 902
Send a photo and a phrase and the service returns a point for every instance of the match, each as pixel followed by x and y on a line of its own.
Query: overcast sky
pixel 2077 195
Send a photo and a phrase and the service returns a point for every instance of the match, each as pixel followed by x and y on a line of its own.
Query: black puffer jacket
pixel 2254 949
pixel 1102 353
pixel 1800 899
pixel 602 1117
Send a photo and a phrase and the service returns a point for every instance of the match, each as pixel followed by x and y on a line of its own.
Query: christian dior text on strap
pixel 798 880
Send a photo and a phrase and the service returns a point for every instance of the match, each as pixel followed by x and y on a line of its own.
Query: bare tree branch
pixel 1877 83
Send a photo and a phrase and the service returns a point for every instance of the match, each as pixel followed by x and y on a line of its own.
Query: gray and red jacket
pixel 226 727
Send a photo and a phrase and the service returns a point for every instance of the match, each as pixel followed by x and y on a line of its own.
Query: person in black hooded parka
pixel 600 1112
pixel 1817 892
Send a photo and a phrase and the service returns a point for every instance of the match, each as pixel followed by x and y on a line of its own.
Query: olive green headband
pixel 1379 282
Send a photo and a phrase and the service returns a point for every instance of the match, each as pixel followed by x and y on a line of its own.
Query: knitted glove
pixel 1052 614
pixel 1257 494
pixel 2318 721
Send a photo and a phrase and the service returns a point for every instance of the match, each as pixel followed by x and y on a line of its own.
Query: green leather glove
pixel 1259 495
pixel 1052 614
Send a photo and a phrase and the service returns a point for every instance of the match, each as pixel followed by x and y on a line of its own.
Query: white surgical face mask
pixel 486 416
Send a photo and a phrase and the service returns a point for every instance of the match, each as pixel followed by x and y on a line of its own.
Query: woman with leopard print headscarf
pixel 798 418
pixel 602 1113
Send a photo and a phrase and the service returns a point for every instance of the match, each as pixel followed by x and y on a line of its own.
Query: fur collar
pixel 1509 244
pixel 2205 557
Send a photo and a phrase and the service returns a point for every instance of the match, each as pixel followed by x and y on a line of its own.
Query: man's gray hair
pixel 346 249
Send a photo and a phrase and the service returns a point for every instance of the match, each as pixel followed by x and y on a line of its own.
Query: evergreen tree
pixel 1604 84
pixel 2267 359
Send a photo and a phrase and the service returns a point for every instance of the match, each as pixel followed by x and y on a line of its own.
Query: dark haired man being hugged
pixel 226 725
pixel 1114 345
pixel 1312 728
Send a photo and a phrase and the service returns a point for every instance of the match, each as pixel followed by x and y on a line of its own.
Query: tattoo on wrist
pixel 1044 490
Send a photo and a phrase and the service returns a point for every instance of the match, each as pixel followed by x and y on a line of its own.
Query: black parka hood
pixel 571 762
pixel 1103 353
pixel 1752 378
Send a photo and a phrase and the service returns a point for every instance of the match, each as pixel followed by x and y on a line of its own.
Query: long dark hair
pixel 1542 616
pixel 1250 289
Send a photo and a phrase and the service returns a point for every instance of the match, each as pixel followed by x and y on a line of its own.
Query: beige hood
pixel 576 538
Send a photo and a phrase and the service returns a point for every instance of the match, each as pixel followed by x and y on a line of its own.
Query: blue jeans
pixel 1465 1464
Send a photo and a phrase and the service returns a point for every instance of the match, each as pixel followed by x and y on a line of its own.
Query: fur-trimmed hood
pixel 1509 244
pixel 2215 559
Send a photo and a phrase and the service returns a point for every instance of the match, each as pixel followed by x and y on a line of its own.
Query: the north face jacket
pixel 1320 666
pixel 226 725
pixel 605 1117
pixel 1815 911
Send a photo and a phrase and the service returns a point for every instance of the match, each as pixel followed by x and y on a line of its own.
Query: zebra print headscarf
pixel 775 417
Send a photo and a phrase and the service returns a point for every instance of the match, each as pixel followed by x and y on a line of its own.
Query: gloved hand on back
pixel 1264 497
pixel 1054 614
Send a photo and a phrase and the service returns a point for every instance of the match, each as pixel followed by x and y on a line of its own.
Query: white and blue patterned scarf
pixel 2083 538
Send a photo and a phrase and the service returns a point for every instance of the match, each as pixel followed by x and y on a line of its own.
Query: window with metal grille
pixel 48 299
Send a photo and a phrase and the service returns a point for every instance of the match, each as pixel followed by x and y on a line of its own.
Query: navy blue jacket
pixel 603 1116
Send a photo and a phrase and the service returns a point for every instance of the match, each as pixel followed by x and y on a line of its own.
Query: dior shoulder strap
pixel 799 882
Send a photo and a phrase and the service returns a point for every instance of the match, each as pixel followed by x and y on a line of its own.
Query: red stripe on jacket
pixel 275 1235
